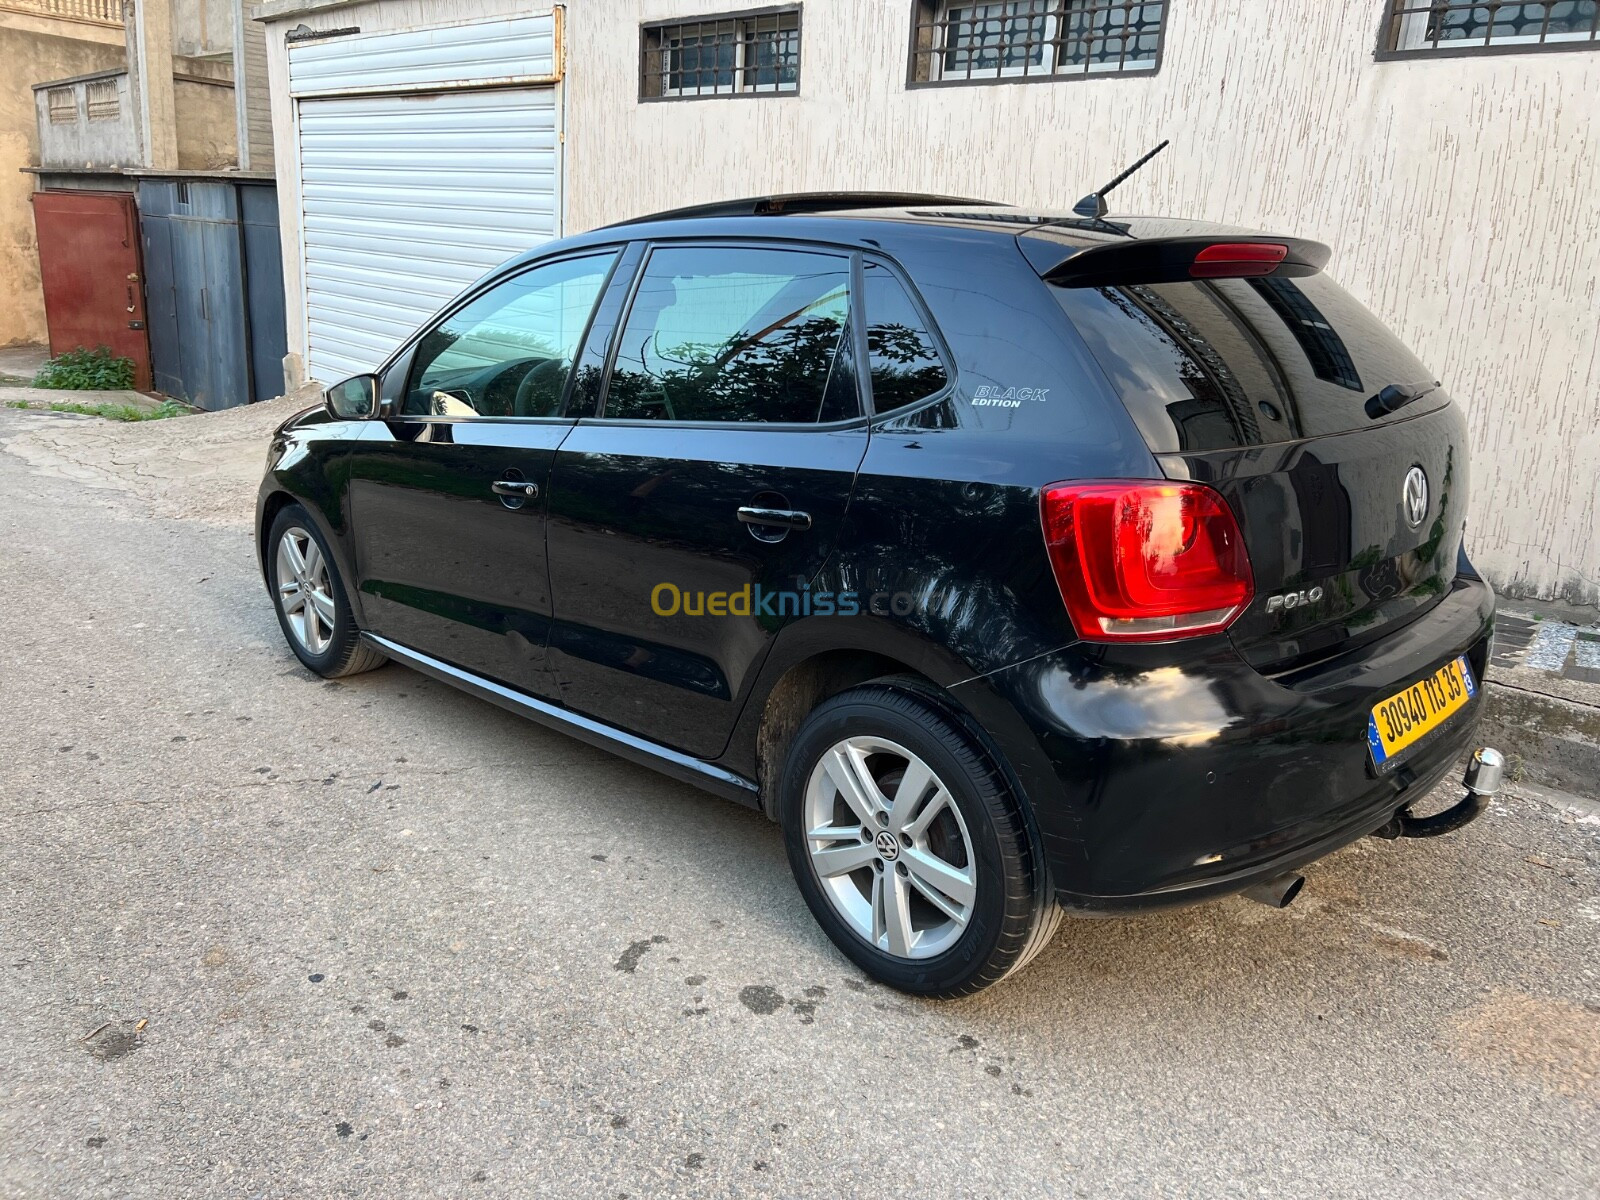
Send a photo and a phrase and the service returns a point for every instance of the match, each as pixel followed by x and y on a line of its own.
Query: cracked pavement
pixel 266 935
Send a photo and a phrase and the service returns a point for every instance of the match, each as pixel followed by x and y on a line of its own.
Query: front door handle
pixel 520 488
pixel 776 518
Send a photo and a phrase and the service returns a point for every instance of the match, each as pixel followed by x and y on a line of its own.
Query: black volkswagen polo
pixel 1014 563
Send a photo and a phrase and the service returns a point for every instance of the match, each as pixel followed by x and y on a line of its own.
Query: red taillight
pixel 1143 561
pixel 1234 260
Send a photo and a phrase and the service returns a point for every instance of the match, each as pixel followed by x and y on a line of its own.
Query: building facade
pixel 1449 153
pixel 101 87
pixel 39 40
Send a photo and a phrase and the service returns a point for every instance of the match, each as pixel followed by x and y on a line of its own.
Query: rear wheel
pixel 310 599
pixel 909 847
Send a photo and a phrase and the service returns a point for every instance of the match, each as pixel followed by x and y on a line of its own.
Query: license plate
pixel 1408 716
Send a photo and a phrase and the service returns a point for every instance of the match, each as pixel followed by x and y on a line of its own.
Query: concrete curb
pixel 44 397
pixel 1577 808
pixel 1549 741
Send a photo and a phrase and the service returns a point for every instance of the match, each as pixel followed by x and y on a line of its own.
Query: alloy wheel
pixel 890 847
pixel 304 590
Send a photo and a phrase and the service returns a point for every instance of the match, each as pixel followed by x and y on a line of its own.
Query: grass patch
pixel 110 412
pixel 80 370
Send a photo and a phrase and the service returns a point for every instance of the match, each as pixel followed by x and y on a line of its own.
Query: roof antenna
pixel 1093 206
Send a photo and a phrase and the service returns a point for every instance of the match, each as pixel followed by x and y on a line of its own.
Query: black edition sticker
pixel 989 396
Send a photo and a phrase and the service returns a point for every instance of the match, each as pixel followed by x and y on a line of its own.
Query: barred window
pixel 739 54
pixel 1431 26
pixel 957 42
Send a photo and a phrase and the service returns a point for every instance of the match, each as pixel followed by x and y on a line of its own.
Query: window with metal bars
pixel 739 54
pixel 956 41
pixel 1416 28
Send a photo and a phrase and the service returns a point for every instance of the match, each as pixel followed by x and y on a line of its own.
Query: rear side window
pixel 738 334
pixel 903 360
pixel 1237 362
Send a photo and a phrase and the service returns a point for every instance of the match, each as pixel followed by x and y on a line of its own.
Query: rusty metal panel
pixel 93 275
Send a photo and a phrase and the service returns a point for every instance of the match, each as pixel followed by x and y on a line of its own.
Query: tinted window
pixel 1325 350
pixel 508 353
pixel 736 334
pixel 904 363
pixel 1210 366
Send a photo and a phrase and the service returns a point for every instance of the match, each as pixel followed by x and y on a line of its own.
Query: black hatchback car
pixel 1015 563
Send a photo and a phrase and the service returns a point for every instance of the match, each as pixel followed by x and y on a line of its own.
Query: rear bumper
pixel 1156 780
pixel 1290 849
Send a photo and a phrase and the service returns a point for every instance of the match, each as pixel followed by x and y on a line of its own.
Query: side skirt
pixel 646 753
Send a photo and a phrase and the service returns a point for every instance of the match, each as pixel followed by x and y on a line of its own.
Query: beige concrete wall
pixel 35 50
pixel 207 130
pixel 202 27
pixel 252 98
pixel 1459 194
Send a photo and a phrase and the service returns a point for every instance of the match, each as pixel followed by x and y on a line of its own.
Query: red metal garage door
pixel 93 278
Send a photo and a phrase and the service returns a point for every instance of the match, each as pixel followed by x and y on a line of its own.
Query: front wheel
pixel 909 847
pixel 310 599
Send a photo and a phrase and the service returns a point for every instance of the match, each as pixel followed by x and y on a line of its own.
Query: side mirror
pixel 355 399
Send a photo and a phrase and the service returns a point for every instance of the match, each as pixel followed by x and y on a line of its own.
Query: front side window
pixel 958 42
pixel 736 333
pixel 1429 26
pixel 508 353
pixel 721 56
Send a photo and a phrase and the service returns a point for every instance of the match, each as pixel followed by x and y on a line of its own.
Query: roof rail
pixel 800 202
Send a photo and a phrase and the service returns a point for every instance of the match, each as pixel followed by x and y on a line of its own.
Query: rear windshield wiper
pixel 1397 395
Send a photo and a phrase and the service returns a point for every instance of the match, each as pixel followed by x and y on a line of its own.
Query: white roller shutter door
pixel 408 196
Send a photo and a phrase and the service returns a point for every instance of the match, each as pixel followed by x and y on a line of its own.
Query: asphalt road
pixel 263 935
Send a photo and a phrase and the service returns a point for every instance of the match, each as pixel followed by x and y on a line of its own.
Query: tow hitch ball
pixel 1482 782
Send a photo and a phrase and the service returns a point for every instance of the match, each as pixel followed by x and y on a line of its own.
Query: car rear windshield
pixel 1243 362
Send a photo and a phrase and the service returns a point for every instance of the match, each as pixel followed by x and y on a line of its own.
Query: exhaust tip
pixel 1279 892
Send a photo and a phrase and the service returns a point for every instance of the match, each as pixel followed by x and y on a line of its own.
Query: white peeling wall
pixel 1461 195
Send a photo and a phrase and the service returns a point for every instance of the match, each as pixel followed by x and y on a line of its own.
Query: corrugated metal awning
pixel 473 54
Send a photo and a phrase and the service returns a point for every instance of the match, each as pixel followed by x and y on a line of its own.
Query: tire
pixel 977 837
pixel 331 649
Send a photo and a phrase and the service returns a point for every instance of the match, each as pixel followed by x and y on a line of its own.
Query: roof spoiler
pixel 802 202
pixel 1182 259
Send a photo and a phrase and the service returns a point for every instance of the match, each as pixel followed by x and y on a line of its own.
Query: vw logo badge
pixel 1415 496
pixel 888 846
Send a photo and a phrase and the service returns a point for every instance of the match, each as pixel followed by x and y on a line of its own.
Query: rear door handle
pixel 777 518
pixel 520 488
